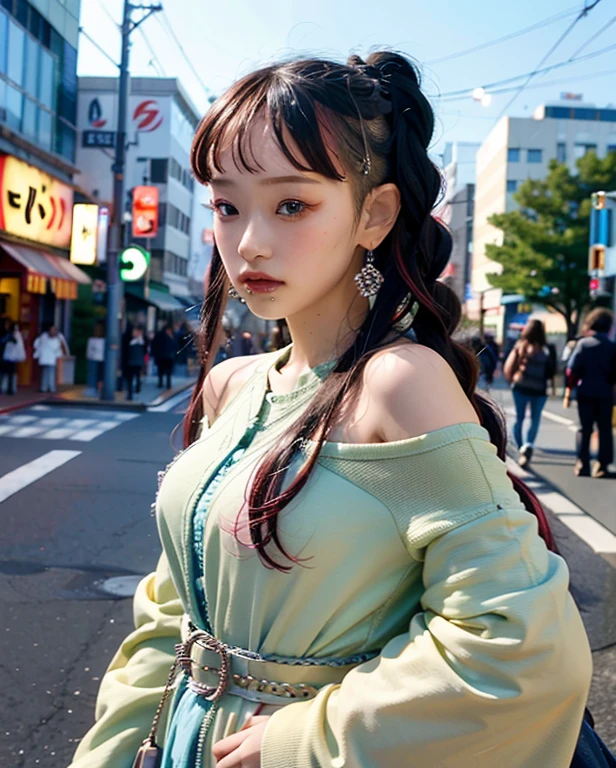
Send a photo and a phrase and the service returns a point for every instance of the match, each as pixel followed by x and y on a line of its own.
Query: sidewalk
pixel 149 396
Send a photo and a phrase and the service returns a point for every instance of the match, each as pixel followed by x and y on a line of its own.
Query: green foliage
pixel 544 254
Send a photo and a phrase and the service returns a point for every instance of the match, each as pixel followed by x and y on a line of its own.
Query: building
pixel 162 122
pixel 457 212
pixel 38 111
pixel 521 148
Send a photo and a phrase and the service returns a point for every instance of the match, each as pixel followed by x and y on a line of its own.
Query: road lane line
pixel 171 403
pixel 599 538
pixel 20 478
pixel 557 418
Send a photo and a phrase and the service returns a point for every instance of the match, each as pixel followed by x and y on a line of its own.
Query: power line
pixel 163 20
pixel 584 12
pixel 546 22
pixel 594 37
pixel 154 59
pixel 464 93
pixel 98 47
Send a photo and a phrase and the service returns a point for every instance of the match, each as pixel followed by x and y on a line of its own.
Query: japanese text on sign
pixel 33 204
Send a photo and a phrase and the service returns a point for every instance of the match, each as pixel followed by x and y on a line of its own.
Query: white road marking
pixel 20 478
pixel 171 403
pixel 63 427
pixel 599 539
pixel 558 418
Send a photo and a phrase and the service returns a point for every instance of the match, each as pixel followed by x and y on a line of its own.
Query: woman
pixel 13 352
pixel 592 369
pixel 342 541
pixel 48 348
pixel 528 368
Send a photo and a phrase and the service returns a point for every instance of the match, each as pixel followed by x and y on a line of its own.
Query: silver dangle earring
pixel 369 279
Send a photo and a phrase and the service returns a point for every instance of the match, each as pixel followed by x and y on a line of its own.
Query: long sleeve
pixel 495 668
pixel 135 680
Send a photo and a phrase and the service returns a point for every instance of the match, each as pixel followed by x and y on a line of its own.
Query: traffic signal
pixel 596 259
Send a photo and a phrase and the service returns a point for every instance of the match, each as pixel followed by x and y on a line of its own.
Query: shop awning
pixel 40 267
pixel 164 301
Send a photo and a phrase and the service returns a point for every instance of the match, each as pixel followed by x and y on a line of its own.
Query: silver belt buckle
pixel 185 660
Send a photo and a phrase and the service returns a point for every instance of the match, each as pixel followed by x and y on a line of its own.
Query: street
pixel 75 493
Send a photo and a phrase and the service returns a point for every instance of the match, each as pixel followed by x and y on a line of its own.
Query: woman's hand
pixel 242 749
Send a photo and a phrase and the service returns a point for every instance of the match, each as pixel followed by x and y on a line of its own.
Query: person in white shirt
pixel 47 350
pixel 95 354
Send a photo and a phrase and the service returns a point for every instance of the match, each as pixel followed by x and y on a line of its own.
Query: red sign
pixel 145 212
pixel 594 284
pixel 147 116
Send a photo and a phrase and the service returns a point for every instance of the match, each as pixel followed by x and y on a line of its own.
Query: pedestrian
pixel 349 577
pixel 592 369
pixel 95 356
pixel 528 368
pixel 183 340
pixel 164 350
pixel 13 352
pixel 47 349
pixel 135 360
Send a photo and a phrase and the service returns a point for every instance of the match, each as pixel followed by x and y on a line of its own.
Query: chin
pixel 265 309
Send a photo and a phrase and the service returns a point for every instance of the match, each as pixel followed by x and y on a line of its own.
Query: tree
pixel 544 254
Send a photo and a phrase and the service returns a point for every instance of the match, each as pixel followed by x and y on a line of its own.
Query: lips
pixel 257 282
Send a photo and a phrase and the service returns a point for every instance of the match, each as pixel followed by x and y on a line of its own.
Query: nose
pixel 255 242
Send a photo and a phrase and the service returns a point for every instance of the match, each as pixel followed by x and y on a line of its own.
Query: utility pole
pixel 116 240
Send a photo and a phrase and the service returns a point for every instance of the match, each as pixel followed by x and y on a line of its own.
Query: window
pixel 158 170
pixel 535 155
pixel 47 68
pixel 65 139
pixel 512 185
pixel 29 125
pixel 14 107
pixel 579 150
pixel 31 65
pixel 4 33
pixel 561 152
pixel 15 68
pixel 513 155
pixel 44 129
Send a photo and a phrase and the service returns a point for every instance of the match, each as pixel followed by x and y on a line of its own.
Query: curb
pixel 117 405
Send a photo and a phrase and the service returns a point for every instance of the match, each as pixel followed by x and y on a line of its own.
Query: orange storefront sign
pixel 145 212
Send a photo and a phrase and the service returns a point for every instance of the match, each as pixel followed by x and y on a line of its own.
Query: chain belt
pixel 215 668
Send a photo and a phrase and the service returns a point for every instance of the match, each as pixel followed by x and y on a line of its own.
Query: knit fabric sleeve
pixel 494 669
pixel 135 680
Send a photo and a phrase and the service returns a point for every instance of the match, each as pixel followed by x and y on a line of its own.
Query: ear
pixel 379 214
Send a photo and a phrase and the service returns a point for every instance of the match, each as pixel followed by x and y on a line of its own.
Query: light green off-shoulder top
pixel 419 549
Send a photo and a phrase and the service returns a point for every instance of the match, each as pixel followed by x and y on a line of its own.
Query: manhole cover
pixel 120 586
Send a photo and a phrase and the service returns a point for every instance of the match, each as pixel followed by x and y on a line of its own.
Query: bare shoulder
pixel 413 390
pixel 225 380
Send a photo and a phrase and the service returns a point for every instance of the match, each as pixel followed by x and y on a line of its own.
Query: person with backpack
pixel 528 369
pixel 592 369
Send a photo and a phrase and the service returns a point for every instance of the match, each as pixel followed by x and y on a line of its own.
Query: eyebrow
pixel 222 182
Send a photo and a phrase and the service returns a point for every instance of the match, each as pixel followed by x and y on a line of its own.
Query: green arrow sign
pixel 134 263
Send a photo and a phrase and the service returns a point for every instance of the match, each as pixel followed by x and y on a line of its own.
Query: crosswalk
pixel 44 422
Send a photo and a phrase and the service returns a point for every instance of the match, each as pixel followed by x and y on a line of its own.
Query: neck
pixel 323 331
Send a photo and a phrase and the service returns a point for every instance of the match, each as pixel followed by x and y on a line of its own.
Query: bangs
pixel 307 132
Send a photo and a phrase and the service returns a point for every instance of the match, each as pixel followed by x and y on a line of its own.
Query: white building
pixel 162 122
pixel 457 211
pixel 517 149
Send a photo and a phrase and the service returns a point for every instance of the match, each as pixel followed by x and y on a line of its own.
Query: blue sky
pixel 226 39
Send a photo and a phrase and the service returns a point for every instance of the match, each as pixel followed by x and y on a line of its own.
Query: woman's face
pixel 295 228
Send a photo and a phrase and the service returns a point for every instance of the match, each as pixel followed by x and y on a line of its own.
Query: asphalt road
pixel 88 520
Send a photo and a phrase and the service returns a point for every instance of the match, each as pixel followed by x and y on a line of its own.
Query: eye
pixel 292 208
pixel 224 210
